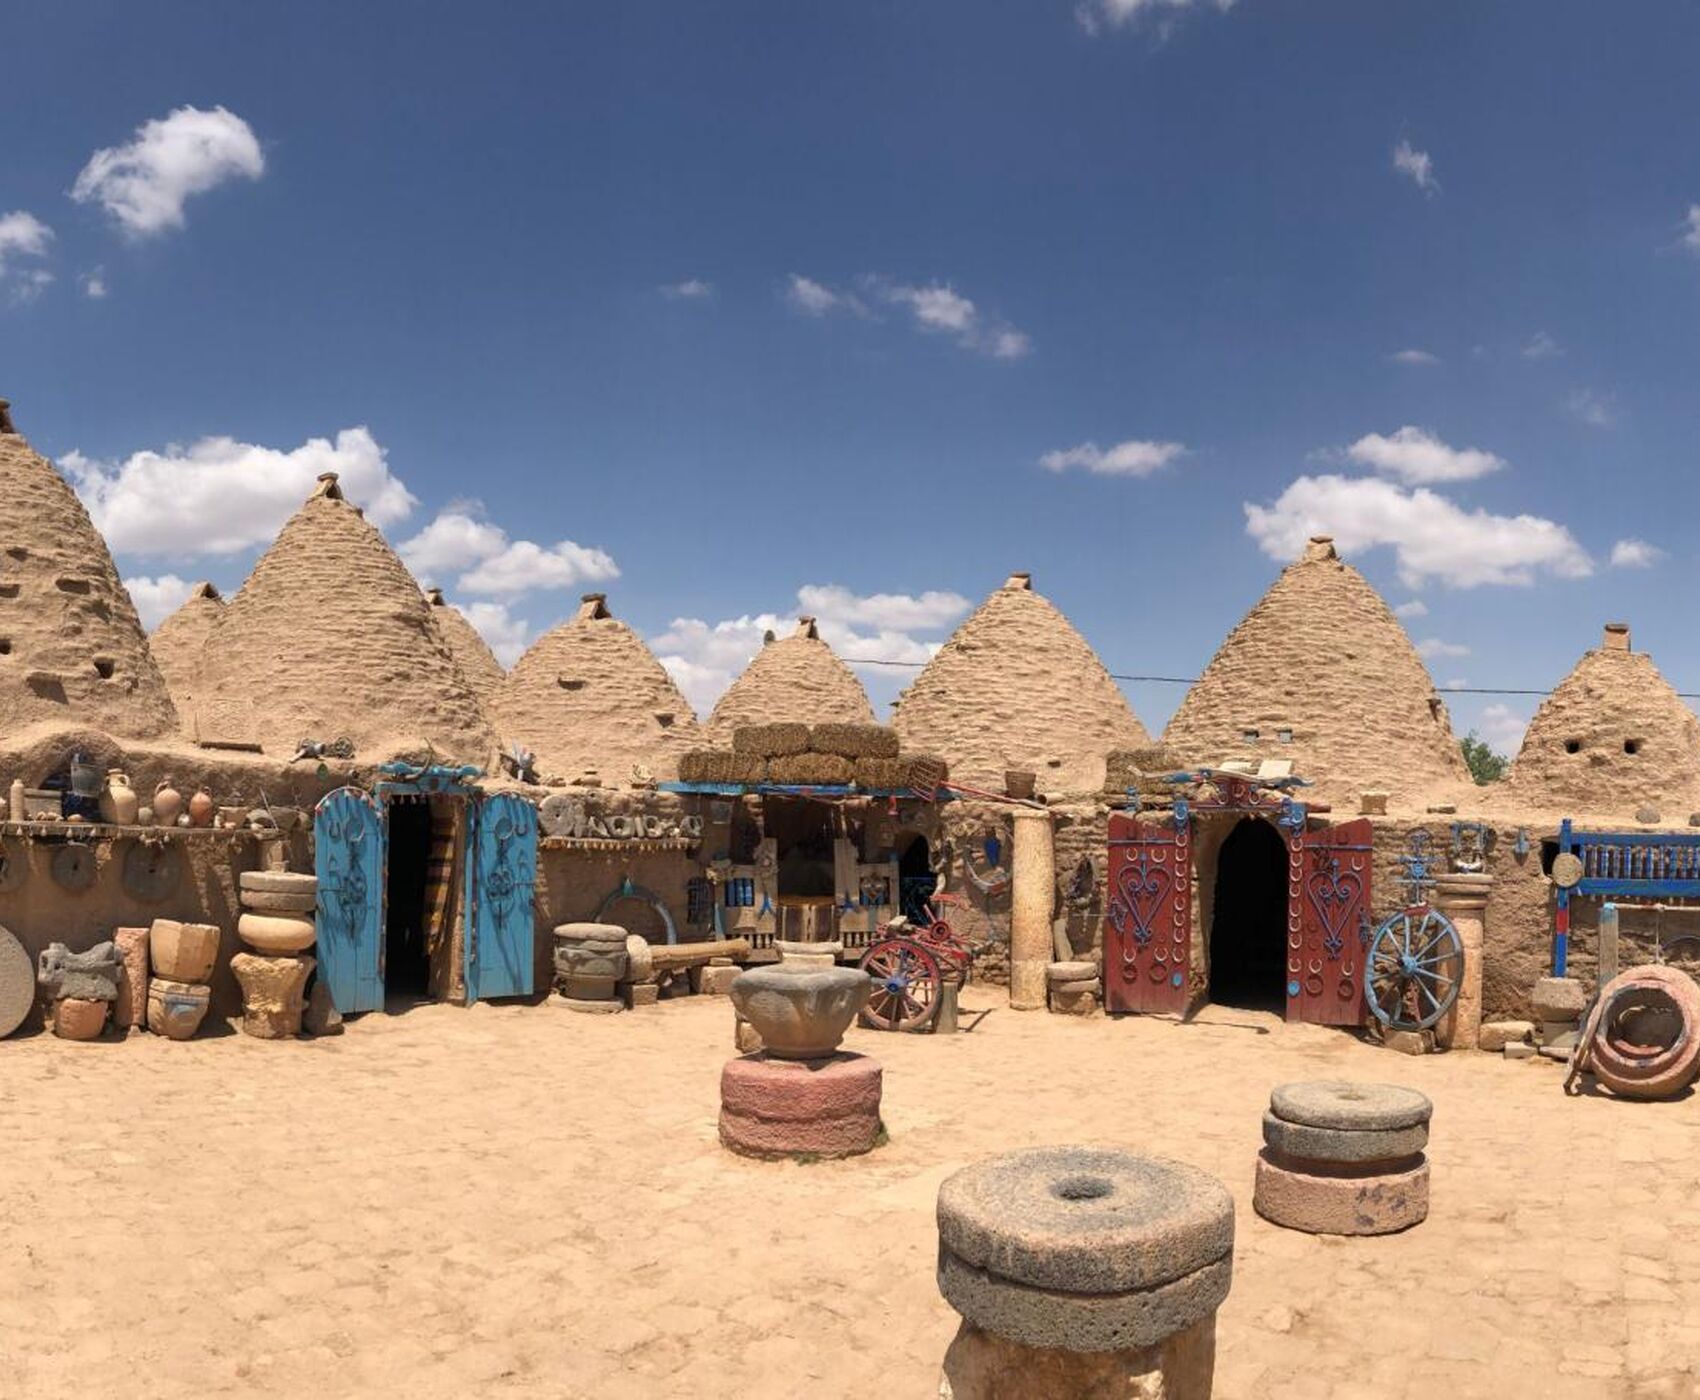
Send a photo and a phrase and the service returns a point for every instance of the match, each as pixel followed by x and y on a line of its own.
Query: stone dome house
pixel 1016 687
pixel 796 678
pixel 469 649
pixel 176 643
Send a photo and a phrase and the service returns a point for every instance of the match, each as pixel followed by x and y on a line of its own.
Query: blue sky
pixel 883 301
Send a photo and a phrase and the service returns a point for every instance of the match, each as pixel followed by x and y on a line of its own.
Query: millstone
pixel 277 902
pixel 1343 1144
pixel 278 882
pixel 1360 1107
pixel 1341 1203
pixel 17 982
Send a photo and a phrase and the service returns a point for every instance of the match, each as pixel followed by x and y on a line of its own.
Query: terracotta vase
pixel 167 804
pixel 202 808
pixel 118 800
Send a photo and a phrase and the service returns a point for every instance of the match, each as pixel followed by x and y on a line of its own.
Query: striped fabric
pixel 440 875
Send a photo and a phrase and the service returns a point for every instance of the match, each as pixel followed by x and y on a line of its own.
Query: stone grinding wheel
pixel 17 983
pixel 74 867
pixel 14 866
pixel 152 870
pixel 557 814
pixel 1332 1103
pixel 1641 1038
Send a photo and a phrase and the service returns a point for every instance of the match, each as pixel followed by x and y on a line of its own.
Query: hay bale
pixel 717 766
pixel 813 769
pixel 881 773
pixel 1139 769
pixel 925 772
pixel 770 740
pixel 854 740
pixel 693 765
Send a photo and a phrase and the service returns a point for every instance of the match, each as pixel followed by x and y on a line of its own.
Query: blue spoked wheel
pixel 906 982
pixel 1415 963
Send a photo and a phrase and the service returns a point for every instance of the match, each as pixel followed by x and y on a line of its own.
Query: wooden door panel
pixel 1148 914
pixel 349 840
pixel 1328 924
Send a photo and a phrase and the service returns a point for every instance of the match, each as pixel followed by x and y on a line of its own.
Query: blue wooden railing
pixel 1624 865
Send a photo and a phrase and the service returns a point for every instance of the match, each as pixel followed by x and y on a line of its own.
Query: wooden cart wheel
pixel 906 980
pixel 1412 973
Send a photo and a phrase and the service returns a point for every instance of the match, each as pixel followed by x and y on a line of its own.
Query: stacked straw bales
pixel 835 754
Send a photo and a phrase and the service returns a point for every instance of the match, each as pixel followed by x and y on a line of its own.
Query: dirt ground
pixel 523 1201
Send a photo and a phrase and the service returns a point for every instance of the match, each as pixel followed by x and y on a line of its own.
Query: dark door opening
pixel 407 958
pixel 916 880
pixel 1248 924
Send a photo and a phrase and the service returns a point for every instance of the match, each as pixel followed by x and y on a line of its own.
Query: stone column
pixel 1033 881
pixel 1463 899
pixel 1080 1271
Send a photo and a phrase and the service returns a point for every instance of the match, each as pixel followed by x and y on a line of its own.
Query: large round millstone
pixel 17 982
pixel 1343 1145
pixel 1085 1220
pixel 1307 1196
pixel 1328 1103
pixel 776 1107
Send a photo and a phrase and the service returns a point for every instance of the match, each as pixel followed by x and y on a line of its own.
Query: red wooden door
pixel 1328 924
pixel 1148 918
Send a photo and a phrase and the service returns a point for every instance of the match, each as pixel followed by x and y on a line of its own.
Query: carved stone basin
pixel 800 1012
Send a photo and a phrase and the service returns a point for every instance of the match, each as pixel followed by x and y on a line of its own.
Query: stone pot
pixel 183 952
pixel 273 994
pixel 795 954
pixel 75 1018
pixel 801 1013
pixel 118 800
pixel 1018 782
pixel 276 933
pixel 167 804
pixel 176 1009
pixel 202 808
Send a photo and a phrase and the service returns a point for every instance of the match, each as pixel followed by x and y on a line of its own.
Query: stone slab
pixel 1559 999
pixel 1340 1204
pixel 763 1086
pixel 642 994
pixel 1408 1042
pixel 277 882
pixel 1520 1050
pixel 1077 970
pixel 717 981
pixel 1069 1321
pixel 1074 1003
pixel 1496 1035
pixel 591 933
pixel 1343 1144
pixel 1085 1220
pixel 1333 1103
pixel 131 1008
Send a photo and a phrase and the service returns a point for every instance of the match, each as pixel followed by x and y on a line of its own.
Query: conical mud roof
pixel 797 679
pixel 176 643
pixel 1321 673
pixel 589 698
pixel 1016 687
pixel 471 652
pixel 1612 738
pixel 71 645
pixel 330 636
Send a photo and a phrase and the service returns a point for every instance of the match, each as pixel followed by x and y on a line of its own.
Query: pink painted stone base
pixel 800 1108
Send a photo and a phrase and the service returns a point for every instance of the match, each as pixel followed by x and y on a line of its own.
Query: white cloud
pixel 814 298
pixel 506 634
pixel 1635 554
pixel 1131 458
pixel 1414 356
pixel 691 289
pixel 1595 409
pixel 705 657
pixel 1541 346
pixel 143 184
pixel 1419 165
pixel 1502 728
pixel 220 496
pixel 1420 458
pixel 22 235
pixel 94 284
pixel 1094 15
pixel 1432 537
pixel 1691 231
pixel 1431 647
pixel 1413 607
pixel 1455 683
pixel 940 308
pixel 460 541
pixel 157 598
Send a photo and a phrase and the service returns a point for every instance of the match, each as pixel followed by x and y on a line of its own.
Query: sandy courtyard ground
pixel 522 1201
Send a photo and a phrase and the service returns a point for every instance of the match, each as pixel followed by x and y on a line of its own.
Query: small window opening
pixel 10 590
pixel 1284 735
pixel 5 646
pixel 72 585
pixel 1549 853
pixel 104 666
pixel 665 721
pixel 1573 746
pixel 1249 735
pixel 566 684
pixel 1632 746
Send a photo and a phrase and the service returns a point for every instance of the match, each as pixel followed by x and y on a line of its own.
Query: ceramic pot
pixel 75 1018
pixel 167 804
pixel 202 808
pixel 795 954
pixel 183 952
pixel 176 1009
pixel 118 800
pixel 17 807
pixel 800 1013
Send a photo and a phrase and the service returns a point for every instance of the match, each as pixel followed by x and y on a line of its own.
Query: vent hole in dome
pixel 1573 746
pixel 665 721
pixel 9 590
pixel 1632 746
pixel 5 646
pixel 567 684
pixel 71 585
pixel 104 666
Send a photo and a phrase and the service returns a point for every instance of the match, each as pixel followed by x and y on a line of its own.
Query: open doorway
pixel 915 877
pixel 1248 925
pixel 407 956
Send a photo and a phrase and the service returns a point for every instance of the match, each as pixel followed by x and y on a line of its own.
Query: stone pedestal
pixel 1463 899
pixel 773 1107
pixel 1344 1159
pixel 1084 1273
pixel 1033 876
pixel 131 1008
pixel 272 994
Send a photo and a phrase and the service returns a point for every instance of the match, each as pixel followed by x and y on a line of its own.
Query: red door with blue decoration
pixel 1328 923
pixel 1148 913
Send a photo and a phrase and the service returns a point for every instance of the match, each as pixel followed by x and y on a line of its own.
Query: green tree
pixel 1484 764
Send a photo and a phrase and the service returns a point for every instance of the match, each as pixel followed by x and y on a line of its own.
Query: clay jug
pixel 118 800
pixel 201 808
pixel 167 804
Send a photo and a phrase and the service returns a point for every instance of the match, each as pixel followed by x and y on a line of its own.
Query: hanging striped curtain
pixel 440 874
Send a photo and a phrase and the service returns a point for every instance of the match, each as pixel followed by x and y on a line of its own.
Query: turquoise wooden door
pixel 502 861
pixel 348 858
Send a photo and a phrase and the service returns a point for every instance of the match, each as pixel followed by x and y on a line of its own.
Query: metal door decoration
pixel 500 957
pixel 1148 913
pixel 1328 923
pixel 348 859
